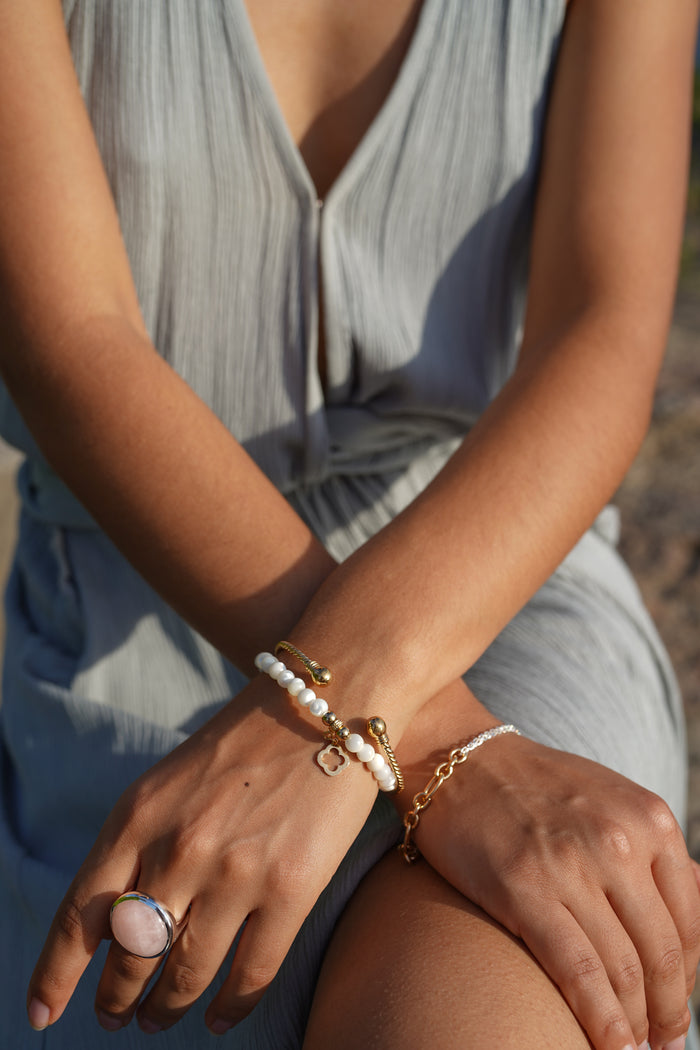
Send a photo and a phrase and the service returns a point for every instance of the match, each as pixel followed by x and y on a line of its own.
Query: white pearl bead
pixel 285 678
pixel 318 707
pixel 386 773
pixel 276 669
pixel 366 753
pixel 387 785
pixel 354 742
pixel 306 697
pixel 376 764
pixel 295 686
pixel 262 658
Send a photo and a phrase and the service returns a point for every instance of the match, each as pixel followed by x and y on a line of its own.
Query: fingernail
pixel 643 1046
pixel 112 1024
pixel 219 1026
pixel 39 1014
pixel 676 1044
pixel 149 1027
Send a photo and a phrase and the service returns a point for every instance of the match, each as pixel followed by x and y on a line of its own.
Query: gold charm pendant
pixel 332 760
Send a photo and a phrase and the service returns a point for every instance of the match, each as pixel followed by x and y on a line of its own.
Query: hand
pixel 237 823
pixel 589 870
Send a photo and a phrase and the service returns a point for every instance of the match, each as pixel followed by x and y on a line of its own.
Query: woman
pixel 396 474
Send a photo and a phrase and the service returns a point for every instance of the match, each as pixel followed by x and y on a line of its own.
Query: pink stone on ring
pixel 142 926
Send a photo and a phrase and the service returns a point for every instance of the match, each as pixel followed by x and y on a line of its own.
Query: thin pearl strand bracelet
pixel 333 758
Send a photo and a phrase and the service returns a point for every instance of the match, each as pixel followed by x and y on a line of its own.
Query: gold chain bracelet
pixel 444 771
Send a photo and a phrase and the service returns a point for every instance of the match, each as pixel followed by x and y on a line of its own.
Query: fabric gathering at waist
pixel 399 467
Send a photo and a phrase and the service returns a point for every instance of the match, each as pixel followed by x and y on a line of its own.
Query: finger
pixel 125 975
pixel 619 957
pixel 80 924
pixel 122 983
pixel 265 940
pixel 676 877
pixel 565 953
pixel 653 932
pixel 192 964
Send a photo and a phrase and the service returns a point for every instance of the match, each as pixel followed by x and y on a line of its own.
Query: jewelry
pixel 142 926
pixel 376 727
pixel 320 675
pixel 339 738
pixel 332 760
pixel 444 771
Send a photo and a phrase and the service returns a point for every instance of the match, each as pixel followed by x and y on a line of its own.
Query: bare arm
pixel 151 462
pixel 553 447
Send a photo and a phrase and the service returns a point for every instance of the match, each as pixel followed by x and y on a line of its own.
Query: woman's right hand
pixel 589 870
pixel 238 824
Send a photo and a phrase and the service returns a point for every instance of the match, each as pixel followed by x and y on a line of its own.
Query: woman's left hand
pixel 589 870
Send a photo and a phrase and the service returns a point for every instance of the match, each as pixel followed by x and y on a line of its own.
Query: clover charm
pixel 332 760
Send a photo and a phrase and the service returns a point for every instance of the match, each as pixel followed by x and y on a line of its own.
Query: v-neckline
pixel 287 146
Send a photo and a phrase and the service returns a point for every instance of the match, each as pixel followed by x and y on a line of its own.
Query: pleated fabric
pixel 422 247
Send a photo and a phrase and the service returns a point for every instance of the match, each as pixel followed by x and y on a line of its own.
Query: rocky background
pixel 660 506
pixel 660 497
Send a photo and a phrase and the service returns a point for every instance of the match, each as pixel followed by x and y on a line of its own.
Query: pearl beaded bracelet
pixel 333 758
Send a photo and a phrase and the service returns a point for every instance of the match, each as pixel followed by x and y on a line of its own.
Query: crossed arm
pixel 161 475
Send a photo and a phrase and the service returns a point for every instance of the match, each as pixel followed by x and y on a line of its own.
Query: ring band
pixel 141 925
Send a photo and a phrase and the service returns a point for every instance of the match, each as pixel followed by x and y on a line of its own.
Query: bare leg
pixel 413 964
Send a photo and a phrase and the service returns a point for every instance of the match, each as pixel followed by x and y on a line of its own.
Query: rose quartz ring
pixel 141 925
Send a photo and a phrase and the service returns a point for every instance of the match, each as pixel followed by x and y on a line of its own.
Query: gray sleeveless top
pixel 421 243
